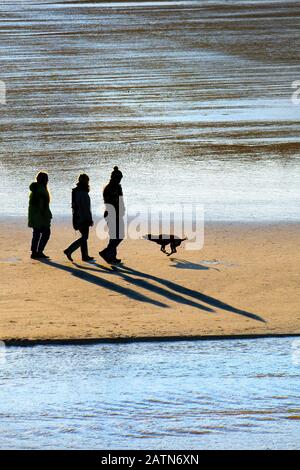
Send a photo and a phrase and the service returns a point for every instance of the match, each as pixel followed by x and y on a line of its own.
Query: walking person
pixel 39 215
pixel 82 218
pixel 114 213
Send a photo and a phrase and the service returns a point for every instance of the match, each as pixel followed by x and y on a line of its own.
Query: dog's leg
pixel 171 252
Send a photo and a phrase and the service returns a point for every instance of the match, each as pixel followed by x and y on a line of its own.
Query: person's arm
pixel 85 208
pixel 90 211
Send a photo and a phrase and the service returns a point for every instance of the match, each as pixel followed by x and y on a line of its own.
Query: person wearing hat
pixel 114 213
pixel 82 218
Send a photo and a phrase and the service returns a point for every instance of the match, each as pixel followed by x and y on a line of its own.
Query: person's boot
pixel 34 255
pixel 42 256
pixel 68 255
pixel 105 255
pixel 87 258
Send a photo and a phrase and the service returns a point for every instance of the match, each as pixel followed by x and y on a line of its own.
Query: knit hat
pixel 116 174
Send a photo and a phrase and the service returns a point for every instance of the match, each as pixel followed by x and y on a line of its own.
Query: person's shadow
pixel 167 289
pixel 171 290
pixel 79 271
pixel 104 283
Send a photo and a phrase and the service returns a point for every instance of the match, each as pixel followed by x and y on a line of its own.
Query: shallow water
pixel 198 394
pixel 191 99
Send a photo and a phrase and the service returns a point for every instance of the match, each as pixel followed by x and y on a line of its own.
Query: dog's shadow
pixel 185 264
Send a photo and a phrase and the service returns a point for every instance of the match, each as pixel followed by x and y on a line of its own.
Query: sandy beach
pixel 243 282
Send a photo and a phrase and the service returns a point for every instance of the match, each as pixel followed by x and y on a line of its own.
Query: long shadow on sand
pixel 80 272
pixel 143 284
pixel 98 281
pixel 172 290
pixel 197 295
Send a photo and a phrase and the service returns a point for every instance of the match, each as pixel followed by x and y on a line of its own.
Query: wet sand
pixel 243 282
pixel 181 90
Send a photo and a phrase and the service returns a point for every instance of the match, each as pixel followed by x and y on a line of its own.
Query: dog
pixel 164 240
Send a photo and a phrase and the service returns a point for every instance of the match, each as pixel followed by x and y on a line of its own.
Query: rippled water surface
pixel 192 99
pixel 201 395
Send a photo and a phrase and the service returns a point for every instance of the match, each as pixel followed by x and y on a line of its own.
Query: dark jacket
pixel 113 195
pixel 39 214
pixel 81 207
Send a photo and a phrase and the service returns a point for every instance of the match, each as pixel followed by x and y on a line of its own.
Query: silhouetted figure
pixel 82 218
pixel 163 240
pixel 39 215
pixel 114 213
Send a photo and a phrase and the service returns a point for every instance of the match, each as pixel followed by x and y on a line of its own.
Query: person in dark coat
pixel 114 213
pixel 39 215
pixel 82 218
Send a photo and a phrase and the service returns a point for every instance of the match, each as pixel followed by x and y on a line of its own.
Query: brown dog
pixel 164 240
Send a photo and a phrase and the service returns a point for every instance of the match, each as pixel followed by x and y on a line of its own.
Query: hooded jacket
pixel 39 214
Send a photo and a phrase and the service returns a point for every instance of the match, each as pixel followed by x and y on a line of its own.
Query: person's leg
pixel 110 251
pixel 116 231
pixel 74 246
pixel 119 235
pixel 46 232
pixel 36 235
pixel 111 248
pixel 84 242
pixel 117 243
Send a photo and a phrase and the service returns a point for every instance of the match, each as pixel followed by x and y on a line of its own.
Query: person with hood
pixel 82 218
pixel 114 213
pixel 39 215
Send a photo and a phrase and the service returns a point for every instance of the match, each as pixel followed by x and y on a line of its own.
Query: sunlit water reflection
pixel 205 394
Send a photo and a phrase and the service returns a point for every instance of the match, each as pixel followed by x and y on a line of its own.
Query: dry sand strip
pixel 244 282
